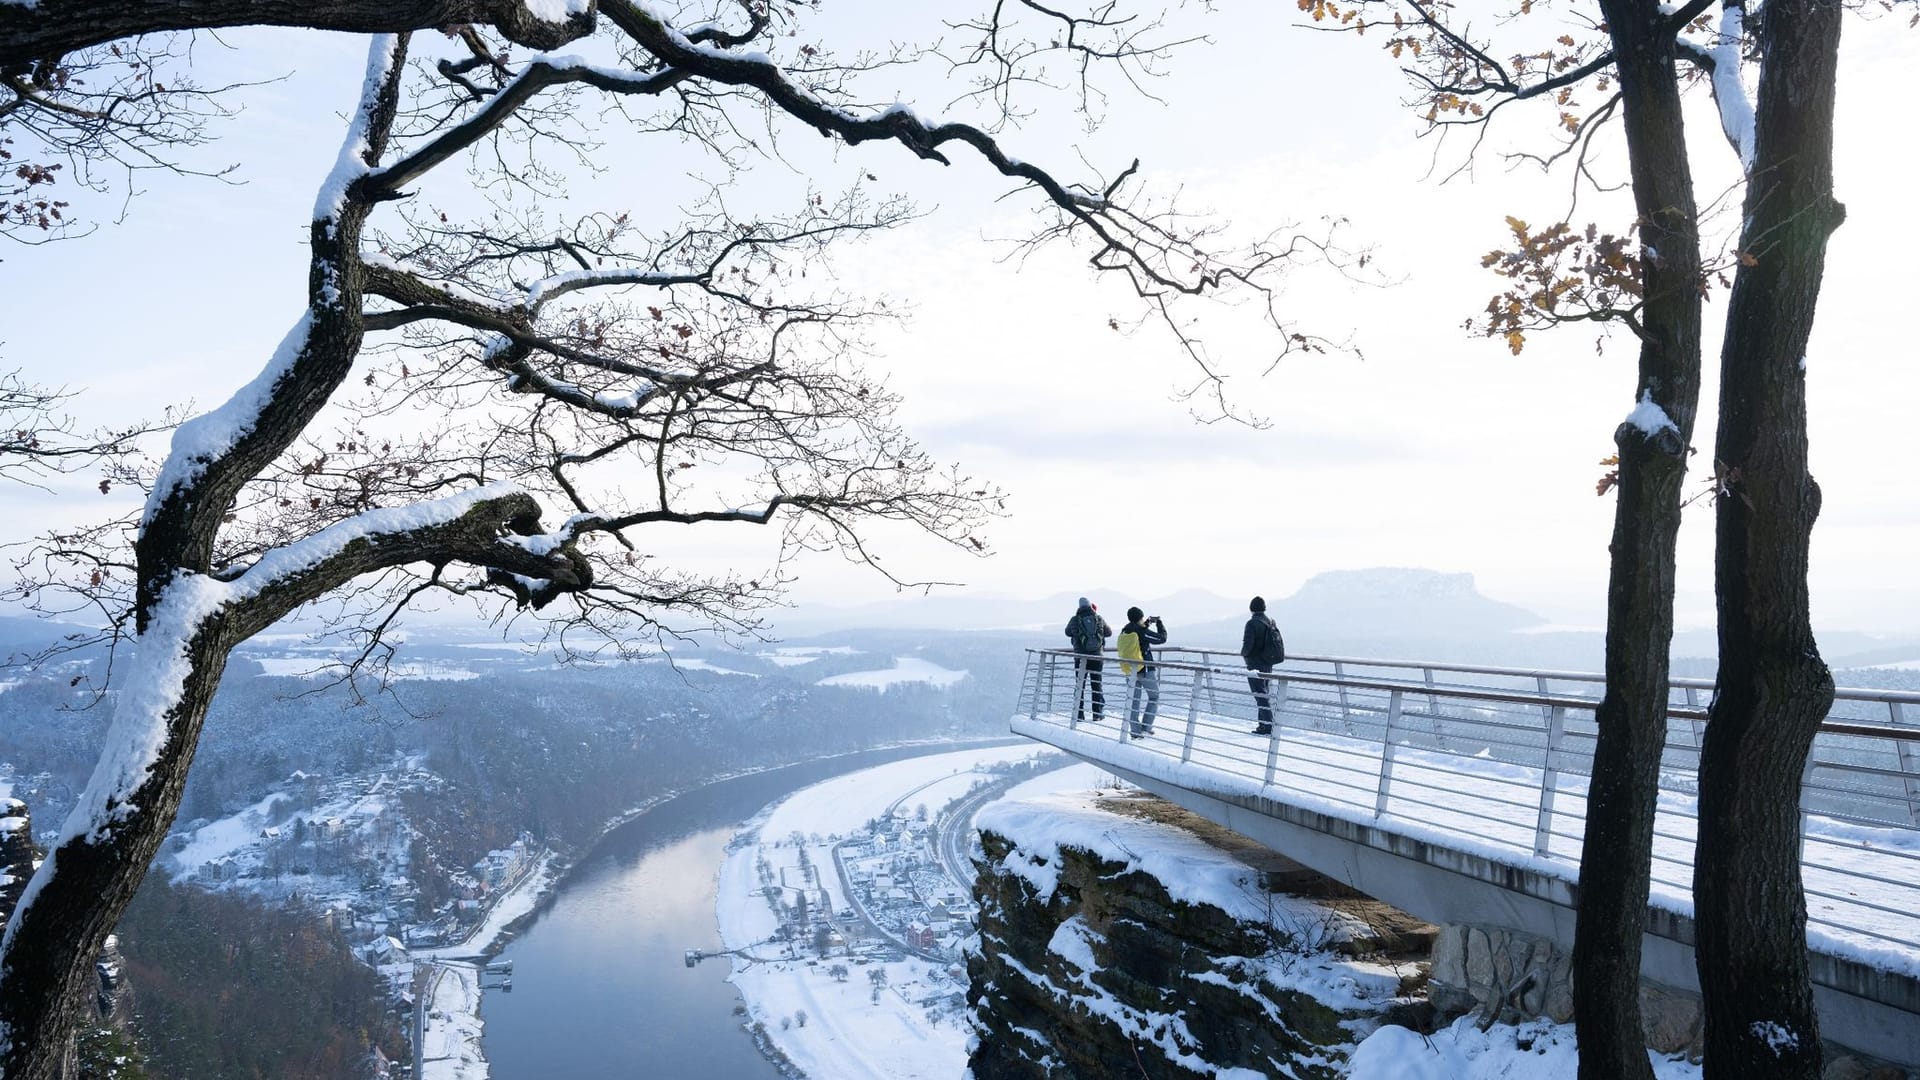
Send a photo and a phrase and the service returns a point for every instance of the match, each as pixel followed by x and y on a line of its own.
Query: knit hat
pixel 1257 604
pixel 1084 602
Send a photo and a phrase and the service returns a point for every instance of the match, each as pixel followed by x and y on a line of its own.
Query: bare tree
pixel 1630 61
pixel 39 439
pixel 453 383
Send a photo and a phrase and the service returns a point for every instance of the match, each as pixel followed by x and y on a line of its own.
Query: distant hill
pixel 24 636
pixel 1410 602
pixel 1404 613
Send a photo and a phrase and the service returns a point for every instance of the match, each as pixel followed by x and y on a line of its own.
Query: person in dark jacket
pixel 1261 648
pixel 1137 640
pixel 1089 633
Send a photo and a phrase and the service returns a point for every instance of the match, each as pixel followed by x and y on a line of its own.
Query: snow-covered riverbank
pixel 871 1011
pixel 452 1016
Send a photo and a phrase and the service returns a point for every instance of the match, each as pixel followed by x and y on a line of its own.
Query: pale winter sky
pixel 1428 448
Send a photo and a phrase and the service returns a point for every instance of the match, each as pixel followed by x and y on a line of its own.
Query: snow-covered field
pixel 330 667
pixel 905 669
pixel 796 655
pixel 697 664
pixel 912 1031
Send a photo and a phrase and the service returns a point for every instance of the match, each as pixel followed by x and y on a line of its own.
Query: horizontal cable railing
pixel 1497 760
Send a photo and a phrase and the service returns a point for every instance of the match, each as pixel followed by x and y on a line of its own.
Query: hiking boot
pixel 1263 729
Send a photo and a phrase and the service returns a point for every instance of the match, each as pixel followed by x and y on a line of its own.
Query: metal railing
pixel 1497 760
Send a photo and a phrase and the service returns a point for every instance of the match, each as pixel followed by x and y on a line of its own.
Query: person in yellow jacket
pixel 1137 640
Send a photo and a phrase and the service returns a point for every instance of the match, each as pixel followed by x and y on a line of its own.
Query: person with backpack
pixel 1089 633
pixel 1137 640
pixel 1261 648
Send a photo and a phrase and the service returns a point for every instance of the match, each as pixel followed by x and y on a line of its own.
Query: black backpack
pixel 1084 632
pixel 1272 649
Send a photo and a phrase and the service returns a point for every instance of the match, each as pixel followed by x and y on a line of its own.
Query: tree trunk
pixel 55 936
pixel 186 627
pixel 1616 854
pixel 1773 689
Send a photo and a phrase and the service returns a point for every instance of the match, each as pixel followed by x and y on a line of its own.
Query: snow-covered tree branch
pixel 508 398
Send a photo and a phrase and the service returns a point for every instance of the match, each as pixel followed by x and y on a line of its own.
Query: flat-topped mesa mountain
pixel 1402 601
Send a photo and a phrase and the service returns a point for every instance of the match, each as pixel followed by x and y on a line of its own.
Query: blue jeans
pixel 1145 680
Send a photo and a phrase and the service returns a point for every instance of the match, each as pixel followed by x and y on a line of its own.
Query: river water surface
pixel 600 985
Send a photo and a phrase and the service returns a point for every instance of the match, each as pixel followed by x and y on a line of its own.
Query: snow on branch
pixel 356 149
pixel 372 526
pixel 1721 61
pixel 1729 90
pixel 215 435
pixel 204 438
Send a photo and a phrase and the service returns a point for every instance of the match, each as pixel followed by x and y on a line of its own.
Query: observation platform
pixel 1458 794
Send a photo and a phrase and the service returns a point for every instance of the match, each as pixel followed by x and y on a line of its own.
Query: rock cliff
pixel 1115 946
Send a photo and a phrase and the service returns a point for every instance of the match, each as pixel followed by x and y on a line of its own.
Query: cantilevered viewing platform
pixel 1458 794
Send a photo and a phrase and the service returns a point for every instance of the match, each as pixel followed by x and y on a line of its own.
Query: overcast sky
pixel 1425 447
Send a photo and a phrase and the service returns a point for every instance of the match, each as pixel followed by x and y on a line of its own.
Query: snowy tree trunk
pixel 89 878
pixel 187 623
pixel 1773 689
pixel 1616 854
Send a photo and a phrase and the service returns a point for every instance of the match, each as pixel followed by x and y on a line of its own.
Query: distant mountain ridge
pixel 1403 601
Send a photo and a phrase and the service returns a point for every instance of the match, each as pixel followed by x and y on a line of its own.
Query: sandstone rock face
pixel 1109 976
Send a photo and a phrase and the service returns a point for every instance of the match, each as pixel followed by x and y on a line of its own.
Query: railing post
pixel 1433 703
pixel 1540 682
pixel 1036 664
pixel 1193 710
pixel 1079 688
pixel 1049 667
pixel 1386 754
pixel 1340 672
pixel 1908 760
pixel 1543 829
pixel 1693 702
pixel 1276 700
